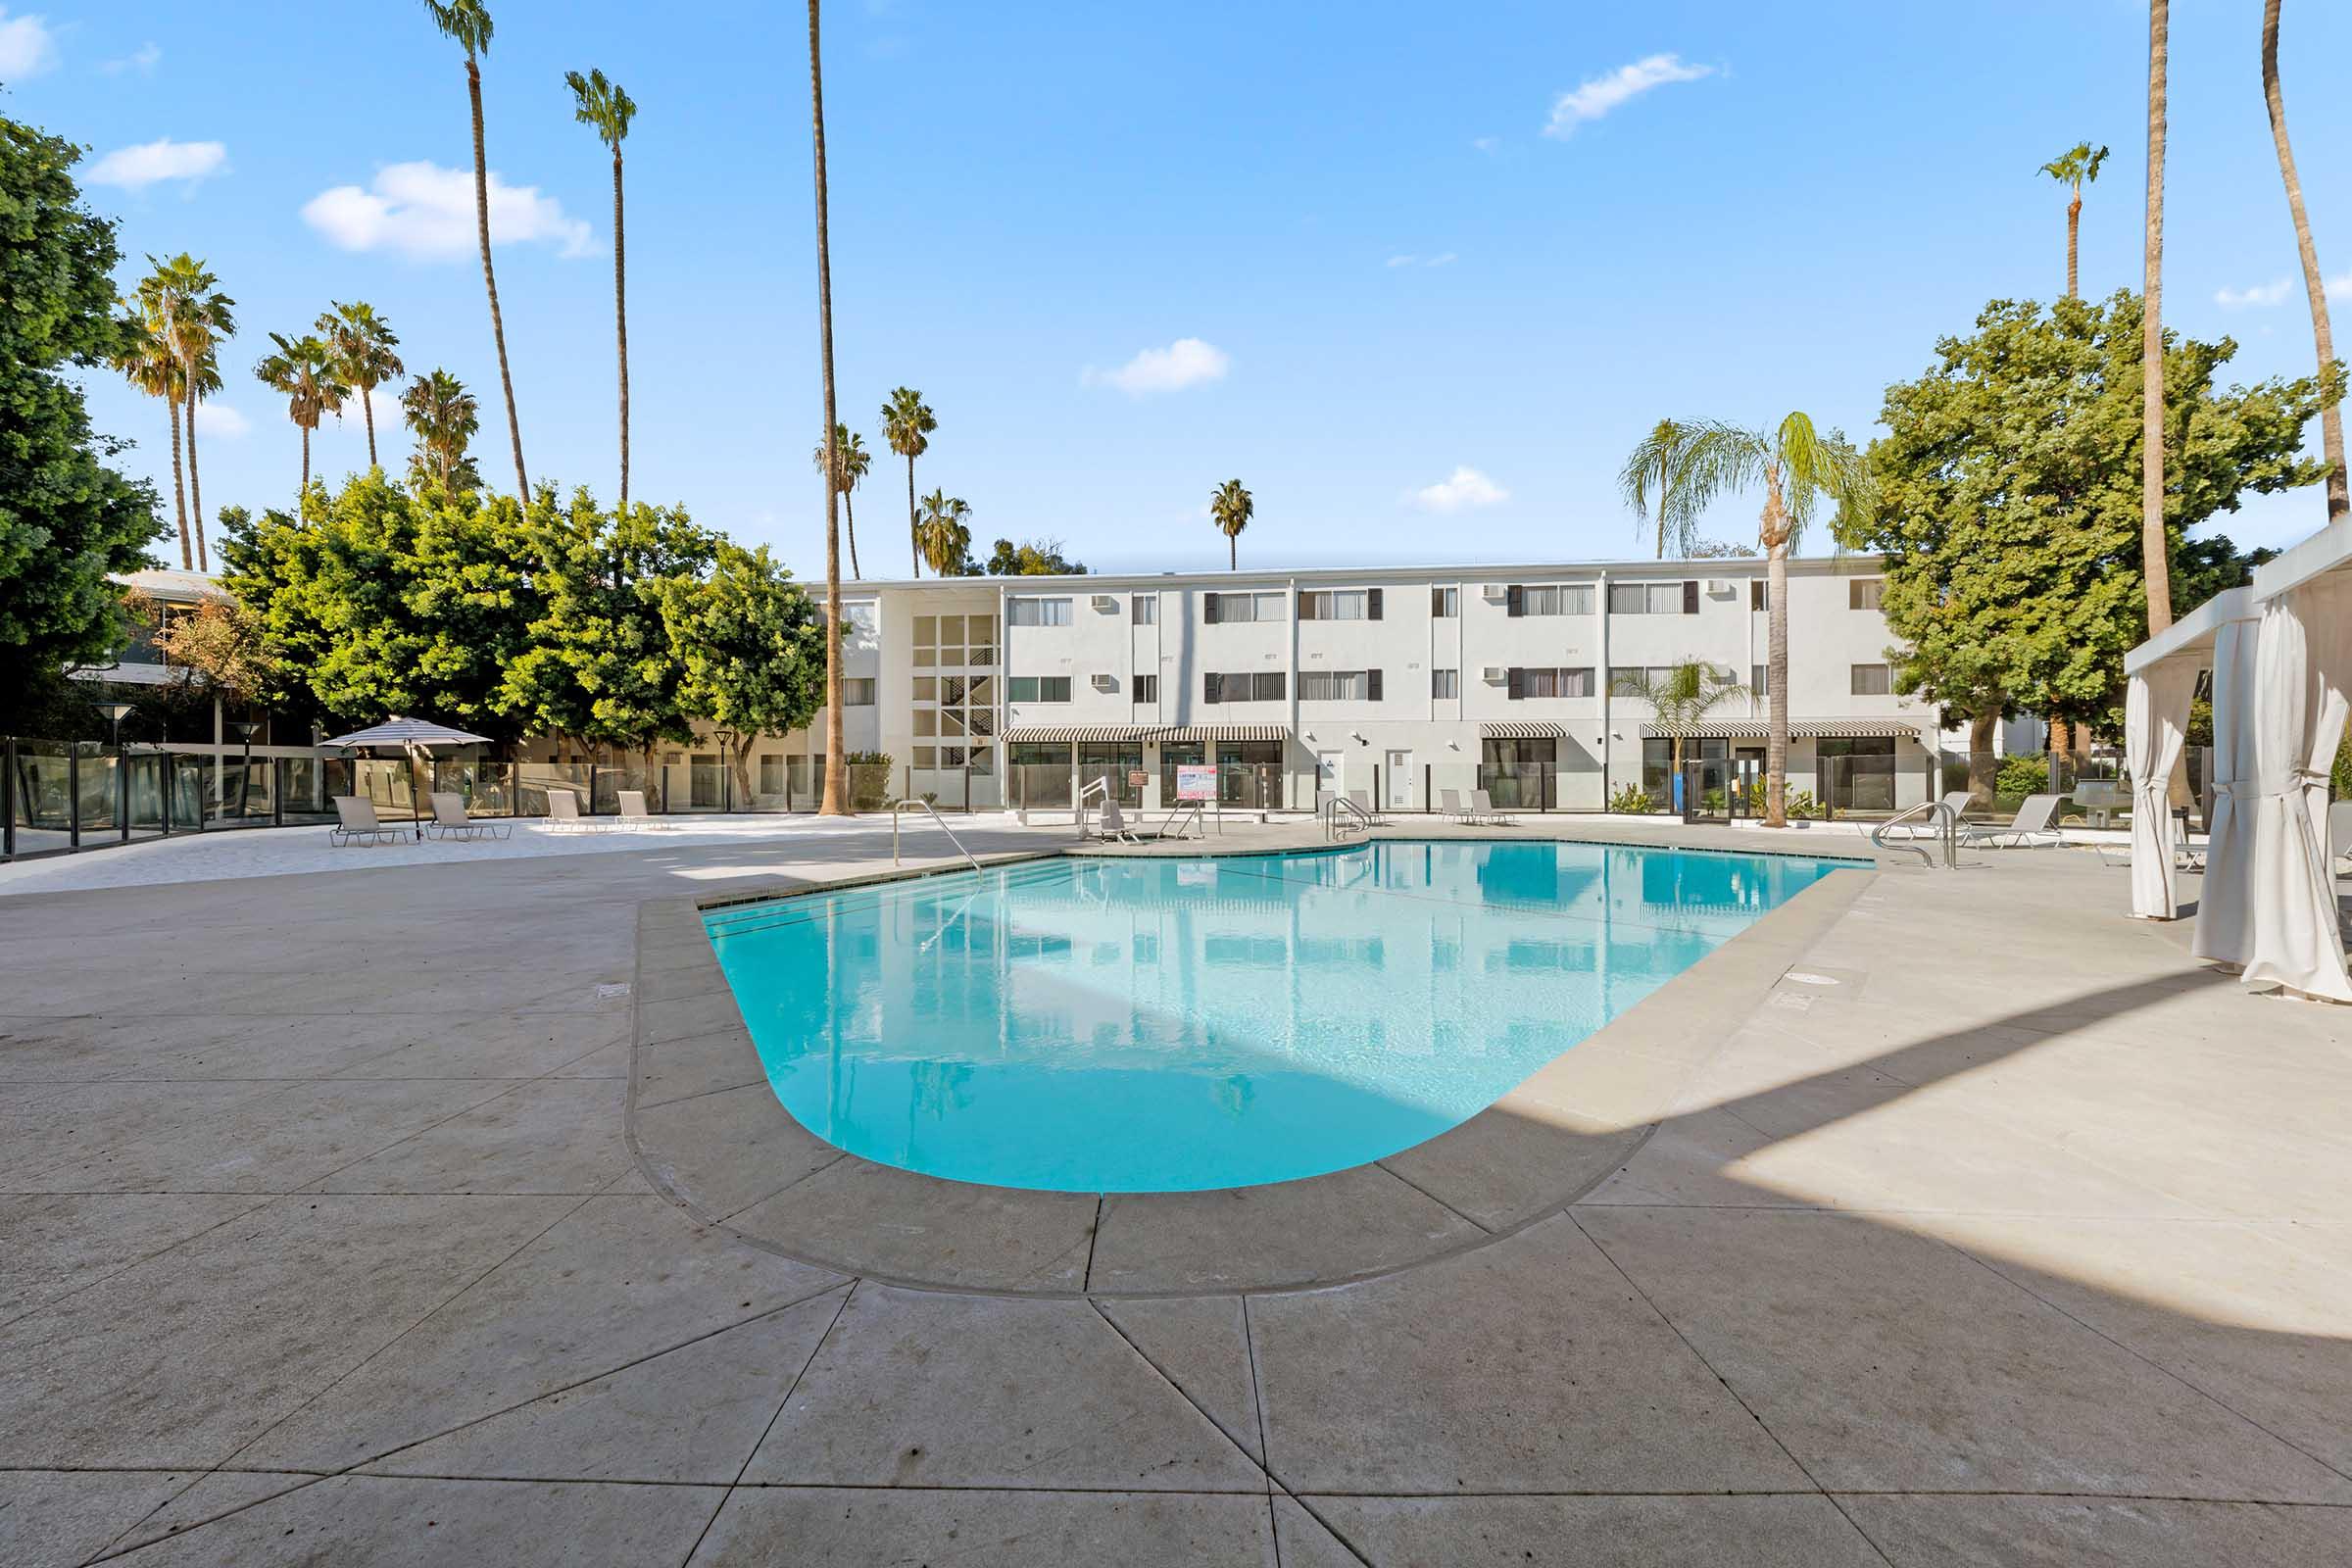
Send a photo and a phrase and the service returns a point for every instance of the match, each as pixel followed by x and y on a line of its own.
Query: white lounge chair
pixel 633 813
pixel 1931 826
pixel 356 823
pixel 1361 800
pixel 564 813
pixel 1450 803
pixel 451 820
pixel 1481 809
pixel 2029 830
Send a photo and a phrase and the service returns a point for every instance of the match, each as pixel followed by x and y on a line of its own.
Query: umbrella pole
pixel 416 801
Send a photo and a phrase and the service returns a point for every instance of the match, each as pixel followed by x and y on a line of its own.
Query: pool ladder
pixel 1342 816
pixel 932 812
pixel 1946 820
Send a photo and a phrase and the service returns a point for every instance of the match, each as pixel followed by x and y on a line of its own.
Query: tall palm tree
pixel 2155 559
pixel 1230 509
pixel 853 463
pixel 468 23
pixel 603 105
pixel 146 359
pixel 1653 467
pixel 1799 469
pixel 907 424
pixel 945 531
pixel 1686 692
pixel 2076 168
pixel 363 343
pixel 2331 416
pixel 444 417
pixel 304 370
pixel 194 315
pixel 832 802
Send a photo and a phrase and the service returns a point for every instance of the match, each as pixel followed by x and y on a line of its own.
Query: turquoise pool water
pixel 1155 1025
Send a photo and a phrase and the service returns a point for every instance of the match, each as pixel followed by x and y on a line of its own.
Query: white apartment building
pixel 1398 682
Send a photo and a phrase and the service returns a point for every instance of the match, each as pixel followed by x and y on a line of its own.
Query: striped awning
pixel 1521 732
pixel 1223 732
pixel 1756 729
pixel 1083 732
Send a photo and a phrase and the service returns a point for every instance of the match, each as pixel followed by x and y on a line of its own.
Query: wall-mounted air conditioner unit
pixel 1494 675
pixel 1496 590
pixel 1719 587
pixel 1109 604
pixel 1106 683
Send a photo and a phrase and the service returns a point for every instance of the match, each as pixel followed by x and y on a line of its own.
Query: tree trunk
pixel 1233 552
pixel 836 747
pixel 620 322
pixel 2154 548
pixel 301 497
pixel 2073 226
pixel 179 494
pixel 849 512
pixel 1983 772
pixel 2331 416
pixel 1774 536
pixel 368 411
pixel 196 492
pixel 498 326
pixel 914 535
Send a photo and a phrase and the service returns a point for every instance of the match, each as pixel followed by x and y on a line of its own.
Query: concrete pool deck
pixel 2024 1240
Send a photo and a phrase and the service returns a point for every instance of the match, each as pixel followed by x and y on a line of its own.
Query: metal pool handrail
pixel 926 807
pixel 1945 816
pixel 1333 810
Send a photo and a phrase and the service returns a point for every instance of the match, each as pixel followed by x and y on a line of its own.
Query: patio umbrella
pixel 414 736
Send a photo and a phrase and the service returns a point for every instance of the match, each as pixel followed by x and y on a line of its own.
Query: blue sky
pixel 1405 270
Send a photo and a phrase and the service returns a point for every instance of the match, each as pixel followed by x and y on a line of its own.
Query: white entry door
pixel 1400 775
pixel 1327 774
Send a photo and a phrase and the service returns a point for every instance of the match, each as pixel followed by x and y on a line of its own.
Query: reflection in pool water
pixel 1149 1025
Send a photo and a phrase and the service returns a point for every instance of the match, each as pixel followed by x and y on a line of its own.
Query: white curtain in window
pixel 2155 723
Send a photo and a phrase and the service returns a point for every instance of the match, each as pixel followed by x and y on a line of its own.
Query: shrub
pixel 1802 803
pixel 1632 799
pixel 2027 774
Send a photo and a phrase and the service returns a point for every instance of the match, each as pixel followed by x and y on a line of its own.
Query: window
pixel 940 643
pixel 1445 603
pixel 1756 681
pixel 1759 594
pixel 771 776
pixel 1445 683
pixel 1622 675
pixel 1261 686
pixel 926 757
pixel 858 692
pixel 1144 608
pixel 1551 599
pixel 1344 603
pixel 1339 685
pixel 1862 593
pixel 1036 689
pixel 1222 608
pixel 1536 683
pixel 1038 611
pixel 1873 680
pixel 1653 597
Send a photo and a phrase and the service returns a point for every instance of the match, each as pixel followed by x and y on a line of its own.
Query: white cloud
pixel 1464 487
pixel 1442 259
pixel 425 213
pixel 1602 94
pixel 1186 362
pixel 2340 288
pixel 26 46
pixel 1402 261
pixel 2261 294
pixel 1486 144
pixel 142 59
pixel 150 162
pixel 220 420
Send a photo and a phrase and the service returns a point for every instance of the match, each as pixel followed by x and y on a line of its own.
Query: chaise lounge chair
pixel 1361 800
pixel 2031 827
pixel 1450 802
pixel 1481 809
pixel 1931 826
pixel 564 813
pixel 633 813
pixel 451 820
pixel 356 823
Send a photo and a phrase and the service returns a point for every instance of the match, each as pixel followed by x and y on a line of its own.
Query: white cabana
pixel 2280 652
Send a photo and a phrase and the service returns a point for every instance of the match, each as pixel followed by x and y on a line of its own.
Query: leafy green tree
pixel 304 370
pixel 750 647
pixel 944 531
pixel 1800 471
pixel 66 517
pixel 191 318
pixel 1231 508
pixel 363 345
pixel 2008 501
pixel 1031 558
pixel 443 417
pixel 855 463
pixel 602 104
pixel 2075 168
pixel 907 424
pixel 468 22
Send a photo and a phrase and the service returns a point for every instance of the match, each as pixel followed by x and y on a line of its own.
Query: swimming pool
pixel 1160 1025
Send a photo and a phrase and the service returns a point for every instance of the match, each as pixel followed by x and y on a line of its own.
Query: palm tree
pixel 2076 168
pixel 1652 467
pixel 186 300
pixel 945 531
pixel 468 23
pixel 602 104
pixel 444 417
pixel 304 370
pixel 1688 692
pixel 1799 469
pixel 363 343
pixel 145 357
pixel 907 424
pixel 836 745
pixel 1230 509
pixel 2331 417
pixel 2155 560
pixel 855 463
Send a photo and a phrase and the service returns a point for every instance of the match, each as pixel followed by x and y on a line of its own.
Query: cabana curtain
pixel 2303 661
pixel 2155 724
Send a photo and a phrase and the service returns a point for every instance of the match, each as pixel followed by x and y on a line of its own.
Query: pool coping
pixel 709 1135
